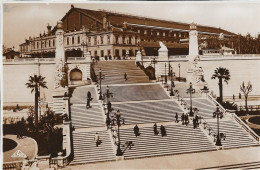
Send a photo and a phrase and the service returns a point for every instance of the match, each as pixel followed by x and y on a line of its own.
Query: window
pixel 130 40
pixel 174 34
pixel 101 39
pixel 145 31
pixel 108 39
pixel 180 35
pixel 68 41
pixel 123 39
pixel 164 34
pixel 102 53
pixel 53 42
pixel 72 40
pixel 158 33
pixel 95 41
pixel 49 43
pixel 78 39
pixel 116 39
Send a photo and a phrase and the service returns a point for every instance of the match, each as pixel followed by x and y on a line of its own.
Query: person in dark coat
pixel 125 76
pixel 186 119
pixel 182 118
pixel 155 129
pixel 194 123
pixel 136 130
pixel 163 130
pixel 197 119
pixel 176 118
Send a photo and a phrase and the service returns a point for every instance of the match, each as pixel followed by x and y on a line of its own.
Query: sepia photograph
pixel 130 85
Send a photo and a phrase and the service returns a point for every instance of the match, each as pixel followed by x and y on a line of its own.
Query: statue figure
pixel 163 47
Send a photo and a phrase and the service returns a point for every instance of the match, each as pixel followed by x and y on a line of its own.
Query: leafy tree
pixel 35 82
pixel 246 90
pixel 221 74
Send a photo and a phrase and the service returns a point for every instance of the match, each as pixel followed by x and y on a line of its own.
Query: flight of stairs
pixel 84 118
pixel 79 95
pixel 179 139
pixel 114 71
pixel 206 108
pixel 58 105
pixel 137 93
pixel 236 136
pixel 85 150
pixel 144 112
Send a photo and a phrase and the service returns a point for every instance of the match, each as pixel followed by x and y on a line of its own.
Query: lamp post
pixel 191 91
pixel 218 114
pixel 154 61
pixel 100 88
pixel 165 74
pixel 172 83
pixel 118 119
pixel 179 65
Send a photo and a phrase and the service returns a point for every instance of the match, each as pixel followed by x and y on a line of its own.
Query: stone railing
pixel 29 60
pixel 248 129
pixel 178 56
pixel 149 57
pixel 221 108
pixel 76 58
pixel 62 161
pixel 16 164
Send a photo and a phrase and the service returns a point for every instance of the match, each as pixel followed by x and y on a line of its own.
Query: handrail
pixel 248 129
pixel 16 164
pixel 221 108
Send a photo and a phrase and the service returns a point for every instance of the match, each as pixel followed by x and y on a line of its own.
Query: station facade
pixel 115 35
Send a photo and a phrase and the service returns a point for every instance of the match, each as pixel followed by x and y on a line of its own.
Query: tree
pixel 35 82
pixel 221 74
pixel 246 90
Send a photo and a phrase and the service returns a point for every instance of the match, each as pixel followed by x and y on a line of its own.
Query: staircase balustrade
pixel 248 129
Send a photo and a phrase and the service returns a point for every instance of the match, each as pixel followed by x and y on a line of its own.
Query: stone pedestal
pixel 138 57
pixel 163 61
pixel 120 158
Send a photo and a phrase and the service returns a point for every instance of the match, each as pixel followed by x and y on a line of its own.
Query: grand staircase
pixel 236 136
pixel 85 150
pixel 84 118
pixel 114 71
pixel 145 112
pixel 179 139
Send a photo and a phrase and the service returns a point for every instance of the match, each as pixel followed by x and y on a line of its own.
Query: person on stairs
pixel 136 130
pixel 125 76
pixel 96 138
pixel 89 98
pixel 155 129
pixel 194 123
pixel 182 118
pixel 186 119
pixel 163 130
pixel 176 118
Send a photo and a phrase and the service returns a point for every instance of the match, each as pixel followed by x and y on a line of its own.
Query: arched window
pixel 75 75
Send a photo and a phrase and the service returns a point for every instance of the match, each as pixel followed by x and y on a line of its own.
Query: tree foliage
pixel 246 90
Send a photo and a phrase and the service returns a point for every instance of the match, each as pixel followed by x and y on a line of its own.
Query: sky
pixel 21 20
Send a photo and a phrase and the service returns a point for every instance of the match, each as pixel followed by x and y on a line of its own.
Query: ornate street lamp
pixel 172 82
pixel 118 120
pixel 179 65
pixel 154 61
pixel 165 74
pixel 100 88
pixel 191 91
pixel 218 114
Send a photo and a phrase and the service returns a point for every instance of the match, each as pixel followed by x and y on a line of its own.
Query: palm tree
pixel 246 90
pixel 221 74
pixel 35 82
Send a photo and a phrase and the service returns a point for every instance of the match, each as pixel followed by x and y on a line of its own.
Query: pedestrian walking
pixel 155 129
pixel 136 130
pixel 176 118
pixel 125 76
pixel 233 97
pixel 108 122
pixel 163 130
pixel 88 104
pixel 194 123
pixel 182 118
pixel 197 119
pixel 239 95
pixel 96 139
pixel 186 119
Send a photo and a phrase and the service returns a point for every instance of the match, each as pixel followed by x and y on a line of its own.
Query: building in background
pixel 116 35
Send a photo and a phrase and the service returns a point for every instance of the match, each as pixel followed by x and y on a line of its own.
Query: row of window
pixel 159 33
pixel 73 39
pixel 44 44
